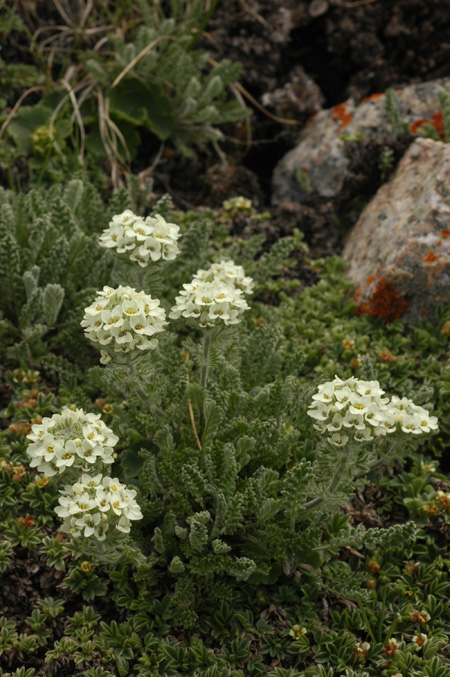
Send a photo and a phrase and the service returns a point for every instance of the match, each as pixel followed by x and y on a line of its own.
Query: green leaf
pixel 52 302
pixel 26 120
pixel 131 463
pixel 144 105
pixel 94 141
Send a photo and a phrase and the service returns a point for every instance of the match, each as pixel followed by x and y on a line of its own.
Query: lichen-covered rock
pixel 319 162
pixel 398 253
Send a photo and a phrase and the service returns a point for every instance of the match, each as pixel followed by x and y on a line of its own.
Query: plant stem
pixel 202 25
pixel 378 463
pixel 140 278
pixel 205 366
pixel 152 408
pixel 329 490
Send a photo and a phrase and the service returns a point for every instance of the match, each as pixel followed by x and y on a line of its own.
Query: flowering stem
pixel 205 366
pixel 140 278
pixel 381 461
pixel 152 408
pixel 330 489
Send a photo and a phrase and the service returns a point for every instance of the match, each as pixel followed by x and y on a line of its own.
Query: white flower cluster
pixel 141 239
pixel 93 504
pixel 214 295
pixel 70 439
pixel 356 410
pixel 210 303
pixel 228 272
pixel 123 320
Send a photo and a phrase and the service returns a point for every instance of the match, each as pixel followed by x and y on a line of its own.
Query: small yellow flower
pixel 362 648
pixel 373 566
pixel 297 631
pixel 445 331
pixel 391 647
pixel 443 498
pixel 419 640
pixel 420 617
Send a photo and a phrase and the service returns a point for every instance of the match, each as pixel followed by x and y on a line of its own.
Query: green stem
pixel 207 339
pixel 384 459
pixel 202 25
pixel 152 408
pixel 140 278
pixel 366 622
pixel 329 490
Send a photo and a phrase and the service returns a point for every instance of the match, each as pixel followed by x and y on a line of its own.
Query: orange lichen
pixel 400 261
pixel 305 169
pixel 325 145
pixel 431 257
pixel 358 294
pixel 417 124
pixel 435 121
pixel 439 242
pixel 445 233
pixel 370 279
pixel 438 123
pixel 342 115
pixel 385 303
pixel 309 121
pixel 372 97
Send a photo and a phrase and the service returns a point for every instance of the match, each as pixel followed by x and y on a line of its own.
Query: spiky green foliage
pixel 394 113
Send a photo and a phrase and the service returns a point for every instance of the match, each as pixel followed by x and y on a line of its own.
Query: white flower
pixel 338 440
pixel 228 272
pixel 96 503
pixel 210 303
pixel 360 408
pixel 141 239
pixel 127 321
pixel 72 438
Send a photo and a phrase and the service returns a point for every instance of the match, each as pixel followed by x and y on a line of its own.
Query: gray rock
pixel 398 253
pixel 299 96
pixel 319 163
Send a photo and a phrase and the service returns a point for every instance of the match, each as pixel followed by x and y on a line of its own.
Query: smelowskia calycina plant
pixel 234 494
